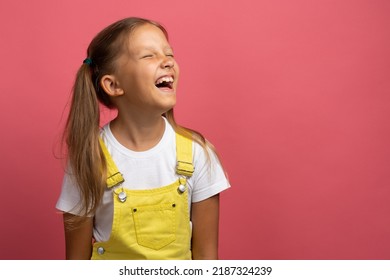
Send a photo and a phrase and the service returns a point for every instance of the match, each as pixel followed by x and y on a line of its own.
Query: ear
pixel 110 85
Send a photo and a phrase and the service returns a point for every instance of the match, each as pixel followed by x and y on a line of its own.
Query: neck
pixel 138 134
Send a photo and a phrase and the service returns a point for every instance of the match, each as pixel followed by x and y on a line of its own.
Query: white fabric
pixel 145 170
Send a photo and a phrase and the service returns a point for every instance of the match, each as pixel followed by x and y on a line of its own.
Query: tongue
pixel 164 88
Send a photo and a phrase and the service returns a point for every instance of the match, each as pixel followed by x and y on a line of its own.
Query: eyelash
pixel 150 55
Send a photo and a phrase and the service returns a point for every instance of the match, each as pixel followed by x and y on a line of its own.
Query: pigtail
pixel 85 158
pixel 186 132
pixel 195 136
pixel 190 133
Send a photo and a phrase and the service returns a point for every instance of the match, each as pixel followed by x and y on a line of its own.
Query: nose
pixel 168 62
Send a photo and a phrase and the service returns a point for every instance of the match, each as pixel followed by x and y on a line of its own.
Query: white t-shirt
pixel 149 169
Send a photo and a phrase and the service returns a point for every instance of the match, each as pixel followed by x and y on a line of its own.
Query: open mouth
pixel 165 82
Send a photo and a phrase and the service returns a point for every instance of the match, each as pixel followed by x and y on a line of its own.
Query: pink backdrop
pixel 294 94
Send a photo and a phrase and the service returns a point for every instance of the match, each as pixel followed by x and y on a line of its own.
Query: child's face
pixel 148 73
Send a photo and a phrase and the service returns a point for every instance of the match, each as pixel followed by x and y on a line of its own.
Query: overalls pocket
pixel 155 225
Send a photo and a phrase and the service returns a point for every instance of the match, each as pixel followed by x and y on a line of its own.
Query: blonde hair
pixel 85 157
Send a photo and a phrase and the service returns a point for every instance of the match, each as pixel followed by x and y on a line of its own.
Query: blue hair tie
pixel 88 61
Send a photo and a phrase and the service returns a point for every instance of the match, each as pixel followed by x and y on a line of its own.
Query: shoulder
pixel 209 176
pixel 205 156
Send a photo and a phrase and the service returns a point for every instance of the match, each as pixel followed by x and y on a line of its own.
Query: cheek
pixel 147 72
pixel 143 77
pixel 176 66
pixel 177 72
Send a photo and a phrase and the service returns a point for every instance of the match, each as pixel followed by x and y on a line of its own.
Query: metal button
pixel 122 196
pixel 182 188
pixel 100 250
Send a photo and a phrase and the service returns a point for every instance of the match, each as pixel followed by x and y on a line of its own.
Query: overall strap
pixel 184 161
pixel 114 177
pixel 184 156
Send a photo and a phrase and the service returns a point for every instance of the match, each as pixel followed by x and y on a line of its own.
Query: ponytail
pixel 86 161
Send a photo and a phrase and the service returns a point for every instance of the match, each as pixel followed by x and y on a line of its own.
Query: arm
pixel 205 219
pixel 78 238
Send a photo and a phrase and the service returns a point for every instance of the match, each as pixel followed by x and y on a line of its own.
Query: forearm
pixel 205 220
pixel 78 238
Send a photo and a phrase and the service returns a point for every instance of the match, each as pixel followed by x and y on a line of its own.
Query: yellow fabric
pixel 114 177
pixel 184 156
pixel 152 223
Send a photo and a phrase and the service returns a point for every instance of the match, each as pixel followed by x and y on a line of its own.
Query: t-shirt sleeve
pixel 70 198
pixel 209 177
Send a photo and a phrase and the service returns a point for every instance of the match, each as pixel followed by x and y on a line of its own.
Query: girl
pixel 141 187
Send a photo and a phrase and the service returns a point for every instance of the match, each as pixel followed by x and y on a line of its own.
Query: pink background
pixel 294 94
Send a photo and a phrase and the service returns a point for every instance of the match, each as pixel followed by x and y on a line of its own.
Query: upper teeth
pixel 164 79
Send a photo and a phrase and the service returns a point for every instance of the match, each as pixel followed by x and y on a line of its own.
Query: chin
pixel 166 106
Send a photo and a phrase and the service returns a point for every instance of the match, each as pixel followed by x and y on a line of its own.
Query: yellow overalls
pixel 152 223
